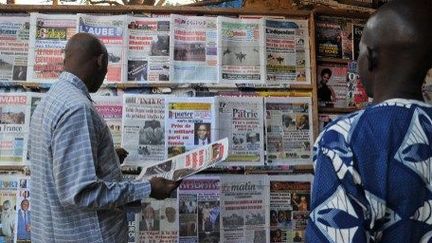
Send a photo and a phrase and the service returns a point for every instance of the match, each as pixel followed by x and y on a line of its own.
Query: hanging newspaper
pixel 110 109
pixel 143 130
pixel 333 85
pixel 189 122
pixel 194 49
pixel 427 87
pixel 287 52
pixel 244 207
pixel 199 209
pixel 111 31
pixel 158 220
pixel 8 201
pixel 187 164
pixel 48 37
pixel 241 55
pixel 289 130
pixel 241 119
pixel 14 38
pixel 148 54
pixel 14 125
pixel 324 119
pixel 289 207
pixel 23 210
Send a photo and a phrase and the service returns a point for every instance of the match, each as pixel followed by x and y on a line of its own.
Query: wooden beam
pixel 148 9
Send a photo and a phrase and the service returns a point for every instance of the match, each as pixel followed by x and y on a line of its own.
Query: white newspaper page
pixel 14 126
pixel 244 207
pixel 289 130
pixel 8 200
pixel 242 52
pixel 110 109
pixel 143 130
pixel 241 119
pixel 190 122
pixel 148 50
pixel 111 30
pixel 187 164
pixel 194 49
pixel 158 221
pixel 49 34
pixel 23 209
pixel 199 209
pixel 14 40
pixel 287 52
pixel 289 207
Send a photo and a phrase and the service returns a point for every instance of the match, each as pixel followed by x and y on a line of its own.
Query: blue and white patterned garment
pixel 373 176
pixel 77 191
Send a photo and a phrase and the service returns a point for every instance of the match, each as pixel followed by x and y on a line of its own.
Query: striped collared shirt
pixel 77 190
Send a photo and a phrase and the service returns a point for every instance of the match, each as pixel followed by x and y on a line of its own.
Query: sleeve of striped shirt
pixel 74 145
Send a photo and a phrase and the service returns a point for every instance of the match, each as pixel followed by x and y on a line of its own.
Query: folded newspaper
pixel 187 164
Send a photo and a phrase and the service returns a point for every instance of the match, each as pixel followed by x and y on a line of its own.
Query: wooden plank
pixel 338 110
pixel 313 63
pixel 341 13
pixel 147 9
pixel 333 60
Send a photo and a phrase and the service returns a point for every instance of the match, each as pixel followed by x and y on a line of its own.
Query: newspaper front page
pixel 49 34
pixel 190 122
pixel 110 109
pixel 14 127
pixel 194 50
pixel 287 52
pixel 14 40
pixel 199 209
pixel 289 207
pixel 8 200
pixel 23 209
pixel 143 129
pixel 187 164
pixel 111 30
pixel 148 49
pixel 158 221
pixel 244 208
pixel 242 53
pixel 241 119
pixel 289 130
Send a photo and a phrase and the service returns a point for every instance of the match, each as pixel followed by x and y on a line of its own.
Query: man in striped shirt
pixel 78 194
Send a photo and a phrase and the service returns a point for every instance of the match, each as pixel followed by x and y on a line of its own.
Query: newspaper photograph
pixel 143 129
pixel 49 34
pixel 187 164
pixel 289 130
pixel 199 209
pixel 241 119
pixel 287 52
pixel 14 40
pixel 110 109
pixel 148 49
pixel 8 201
pixel 158 220
pixel 189 122
pixel 332 85
pixel 14 126
pixel 23 206
pixel 111 30
pixel 289 207
pixel 244 208
pixel 242 55
pixel 324 119
pixel 194 49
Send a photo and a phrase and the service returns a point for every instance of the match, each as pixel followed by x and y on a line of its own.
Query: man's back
pixel 66 135
pixel 375 173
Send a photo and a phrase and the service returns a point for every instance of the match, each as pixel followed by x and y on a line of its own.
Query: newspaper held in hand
pixel 187 164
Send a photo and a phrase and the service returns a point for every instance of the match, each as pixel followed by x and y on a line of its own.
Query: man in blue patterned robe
pixel 373 174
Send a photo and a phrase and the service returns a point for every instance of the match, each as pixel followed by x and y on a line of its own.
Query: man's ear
pixel 372 58
pixel 100 61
